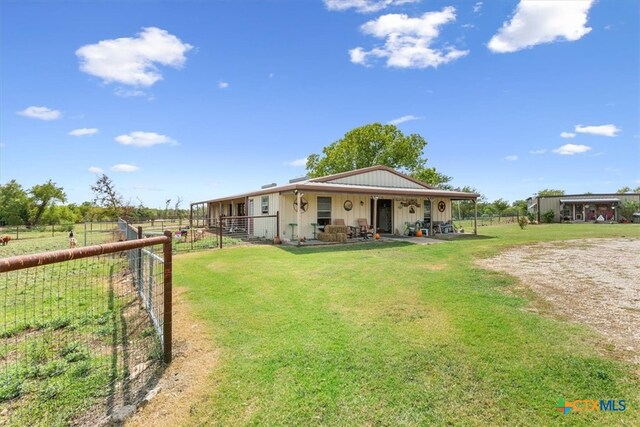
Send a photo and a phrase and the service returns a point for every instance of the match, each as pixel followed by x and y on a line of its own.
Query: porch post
pixel 299 215
pixel 375 215
pixel 475 217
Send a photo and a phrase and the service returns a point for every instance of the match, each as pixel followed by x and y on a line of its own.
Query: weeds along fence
pixel 221 232
pixel 84 332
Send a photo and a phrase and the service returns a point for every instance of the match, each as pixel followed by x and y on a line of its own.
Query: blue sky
pixel 205 99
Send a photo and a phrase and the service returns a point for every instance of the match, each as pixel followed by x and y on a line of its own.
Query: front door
pixel 384 219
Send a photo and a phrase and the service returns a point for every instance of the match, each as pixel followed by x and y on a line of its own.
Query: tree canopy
pixel 550 192
pixel 627 189
pixel 43 196
pixel 375 144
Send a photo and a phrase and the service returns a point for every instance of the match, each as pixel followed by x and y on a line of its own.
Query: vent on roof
pixel 273 184
pixel 302 178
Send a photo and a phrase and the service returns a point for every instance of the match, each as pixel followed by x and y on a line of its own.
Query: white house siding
pixel 403 214
pixel 379 178
pixel 436 215
pixel 263 227
pixel 289 216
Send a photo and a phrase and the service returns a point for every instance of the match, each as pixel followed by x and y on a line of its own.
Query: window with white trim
pixel 324 211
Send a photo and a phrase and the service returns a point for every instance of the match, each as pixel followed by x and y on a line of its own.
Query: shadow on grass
pixel 454 237
pixel 343 247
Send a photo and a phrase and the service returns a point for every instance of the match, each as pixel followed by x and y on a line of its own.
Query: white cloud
pixel 95 169
pixel 132 60
pixel 42 113
pixel 223 85
pixel 124 167
pixel 571 149
pixel 408 41
pixel 542 151
pixel 603 130
pixel 144 139
pixel 128 93
pixel 512 158
pixel 537 22
pixel 364 6
pixel 477 7
pixel 567 135
pixel 298 163
pixel 403 119
pixel 83 132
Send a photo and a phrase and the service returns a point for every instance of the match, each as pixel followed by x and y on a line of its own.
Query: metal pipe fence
pixel 82 333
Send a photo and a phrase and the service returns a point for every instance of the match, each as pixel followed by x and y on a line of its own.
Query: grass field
pixel 394 334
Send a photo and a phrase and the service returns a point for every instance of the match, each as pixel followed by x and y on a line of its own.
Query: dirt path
pixel 185 382
pixel 595 282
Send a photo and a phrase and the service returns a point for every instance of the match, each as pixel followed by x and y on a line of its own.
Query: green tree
pixel 375 144
pixel 432 177
pixel 520 206
pixel 550 192
pixel 59 214
pixel 43 196
pixel 14 204
pixel 627 189
pixel 500 206
pixel 627 209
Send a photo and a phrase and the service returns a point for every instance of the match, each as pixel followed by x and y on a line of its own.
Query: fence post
pixel 85 233
pixel 220 230
pixel 168 299
pixel 139 269
pixel 17 231
pixel 52 230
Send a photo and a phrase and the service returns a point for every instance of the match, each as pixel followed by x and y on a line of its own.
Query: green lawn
pixel 394 334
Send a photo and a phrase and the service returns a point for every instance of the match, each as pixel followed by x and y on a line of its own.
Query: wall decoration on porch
pixel 408 203
pixel 441 206
pixel 348 205
pixel 412 209
pixel 303 205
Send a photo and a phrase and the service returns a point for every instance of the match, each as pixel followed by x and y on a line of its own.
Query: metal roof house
pixel 385 197
pixel 581 207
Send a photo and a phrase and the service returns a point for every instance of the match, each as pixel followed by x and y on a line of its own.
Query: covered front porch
pixel 580 210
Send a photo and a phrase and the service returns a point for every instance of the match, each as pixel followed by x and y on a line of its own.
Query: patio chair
pixel 365 230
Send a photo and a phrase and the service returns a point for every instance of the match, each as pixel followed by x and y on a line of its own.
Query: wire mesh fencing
pixel 23 240
pixel 220 232
pixel 83 332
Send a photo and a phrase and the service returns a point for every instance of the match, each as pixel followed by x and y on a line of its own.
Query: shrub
pixel 548 216
pixel 531 217
pixel 523 221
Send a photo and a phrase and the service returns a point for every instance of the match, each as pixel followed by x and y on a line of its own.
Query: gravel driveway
pixel 592 281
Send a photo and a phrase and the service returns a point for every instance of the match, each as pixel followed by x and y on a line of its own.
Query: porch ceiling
pixel 582 201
